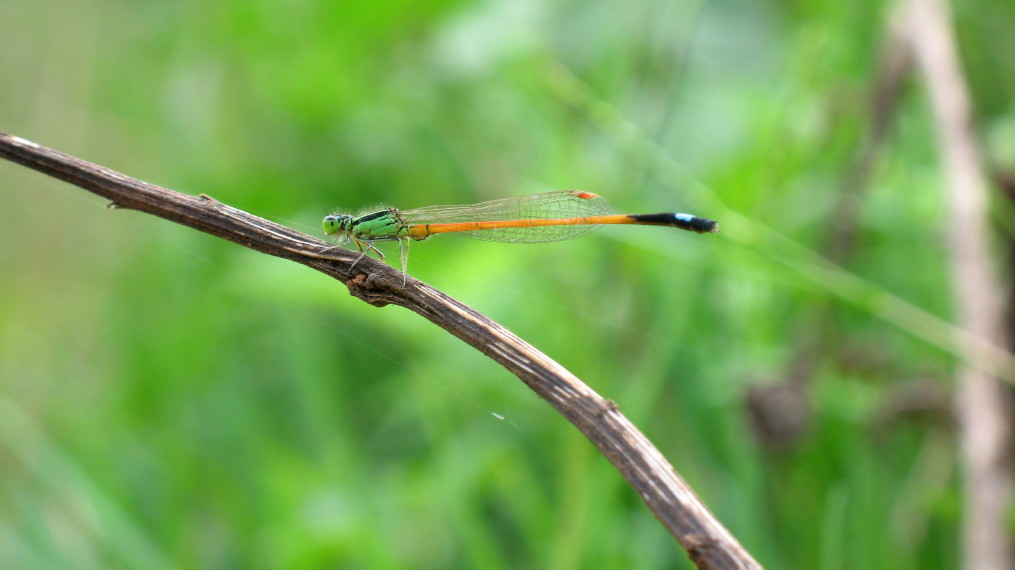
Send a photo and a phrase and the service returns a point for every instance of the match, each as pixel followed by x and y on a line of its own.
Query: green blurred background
pixel 173 400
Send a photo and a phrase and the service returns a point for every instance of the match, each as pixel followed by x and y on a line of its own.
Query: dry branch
pixel 669 498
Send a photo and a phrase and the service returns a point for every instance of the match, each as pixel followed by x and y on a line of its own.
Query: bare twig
pixel 982 406
pixel 672 501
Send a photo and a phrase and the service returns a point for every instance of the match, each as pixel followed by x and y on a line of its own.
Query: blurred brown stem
pixel 667 495
pixel 983 402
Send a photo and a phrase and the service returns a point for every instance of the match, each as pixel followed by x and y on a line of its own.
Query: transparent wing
pixel 548 205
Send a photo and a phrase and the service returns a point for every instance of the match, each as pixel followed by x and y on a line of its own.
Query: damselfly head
pixel 336 224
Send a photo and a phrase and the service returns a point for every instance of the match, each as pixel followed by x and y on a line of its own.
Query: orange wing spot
pixel 584 195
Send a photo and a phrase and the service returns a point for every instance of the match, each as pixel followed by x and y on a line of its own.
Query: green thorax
pixel 384 224
pixel 379 225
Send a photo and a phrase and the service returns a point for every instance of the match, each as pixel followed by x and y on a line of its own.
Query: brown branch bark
pixel 667 495
pixel 983 404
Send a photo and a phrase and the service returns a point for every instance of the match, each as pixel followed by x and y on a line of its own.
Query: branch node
pixel 373 288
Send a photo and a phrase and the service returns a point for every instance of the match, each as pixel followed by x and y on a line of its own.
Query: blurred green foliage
pixel 170 399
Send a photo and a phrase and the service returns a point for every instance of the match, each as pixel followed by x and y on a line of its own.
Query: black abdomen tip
pixel 704 225
pixel 682 221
